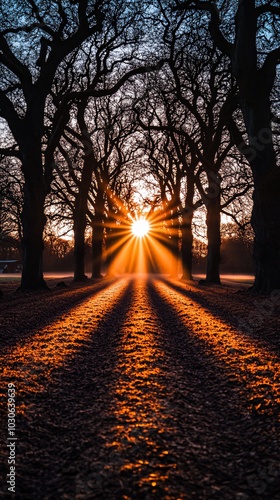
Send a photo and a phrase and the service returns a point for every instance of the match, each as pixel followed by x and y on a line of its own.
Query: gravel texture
pixel 142 388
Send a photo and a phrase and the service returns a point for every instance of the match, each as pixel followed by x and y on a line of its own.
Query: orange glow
pixel 140 227
pixel 141 245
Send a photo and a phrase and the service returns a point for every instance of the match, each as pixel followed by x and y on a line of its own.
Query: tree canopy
pixel 100 97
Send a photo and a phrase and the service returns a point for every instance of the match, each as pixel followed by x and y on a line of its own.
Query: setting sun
pixel 140 227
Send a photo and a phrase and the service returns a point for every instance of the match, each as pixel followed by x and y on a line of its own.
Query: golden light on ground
pixel 140 227
pixel 140 399
pixel 243 358
pixel 31 363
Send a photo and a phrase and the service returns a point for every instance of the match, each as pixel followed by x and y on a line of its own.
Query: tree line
pixel 96 96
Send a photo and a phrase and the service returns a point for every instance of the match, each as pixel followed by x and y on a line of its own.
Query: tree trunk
pixel 214 239
pixel 33 223
pixel 109 252
pixel 266 225
pixel 173 241
pixel 97 244
pixel 97 236
pixel 255 87
pixel 81 202
pixel 187 244
pixel 110 239
pixel 187 235
pixel 33 219
pixel 266 214
pixel 80 223
pixel 266 211
pixel 172 246
pixel 111 244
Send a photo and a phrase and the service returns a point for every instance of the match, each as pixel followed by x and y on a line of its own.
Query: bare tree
pixel 91 160
pixel 254 52
pixel 203 86
pixel 33 48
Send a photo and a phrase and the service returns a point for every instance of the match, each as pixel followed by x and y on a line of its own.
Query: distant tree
pixel 171 164
pixel 11 197
pixel 236 249
pixel 58 253
pixel 92 157
pixel 203 86
pixel 192 114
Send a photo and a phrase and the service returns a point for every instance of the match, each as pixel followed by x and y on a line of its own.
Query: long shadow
pixel 212 407
pixel 66 421
pixel 257 367
pixel 208 438
pixel 67 299
pixel 245 330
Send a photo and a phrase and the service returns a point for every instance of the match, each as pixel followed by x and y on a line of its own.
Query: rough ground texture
pixel 142 388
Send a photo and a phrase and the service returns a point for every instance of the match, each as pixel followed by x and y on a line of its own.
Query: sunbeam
pixel 140 244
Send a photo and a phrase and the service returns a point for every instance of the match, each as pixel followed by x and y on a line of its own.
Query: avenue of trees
pixel 180 98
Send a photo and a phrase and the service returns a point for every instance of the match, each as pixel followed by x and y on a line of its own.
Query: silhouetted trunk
pixel 110 237
pixel 187 235
pixel 80 223
pixel 80 218
pixel 81 201
pixel 187 244
pixel 97 237
pixel 111 243
pixel 109 253
pixel 173 240
pixel 172 246
pixel 213 221
pixel 33 218
pixel 33 223
pixel 266 209
pixel 37 180
pixel 255 86
pixel 97 242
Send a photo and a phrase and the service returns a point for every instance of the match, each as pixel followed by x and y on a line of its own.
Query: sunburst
pixel 140 227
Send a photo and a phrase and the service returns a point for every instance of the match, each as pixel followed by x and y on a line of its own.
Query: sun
pixel 140 227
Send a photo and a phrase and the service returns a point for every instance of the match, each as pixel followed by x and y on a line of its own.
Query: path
pixel 141 391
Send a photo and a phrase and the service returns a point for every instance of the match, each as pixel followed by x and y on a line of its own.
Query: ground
pixel 141 388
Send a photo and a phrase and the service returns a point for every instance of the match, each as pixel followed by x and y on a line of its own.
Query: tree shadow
pixel 245 324
pixel 186 433
pixel 212 405
pixel 26 326
pixel 64 422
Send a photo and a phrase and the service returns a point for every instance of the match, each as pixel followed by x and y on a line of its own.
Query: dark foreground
pixel 142 389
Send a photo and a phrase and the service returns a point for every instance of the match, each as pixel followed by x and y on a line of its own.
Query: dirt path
pixel 145 389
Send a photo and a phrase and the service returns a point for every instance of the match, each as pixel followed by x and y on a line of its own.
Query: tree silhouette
pixel 254 58
pixel 88 32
